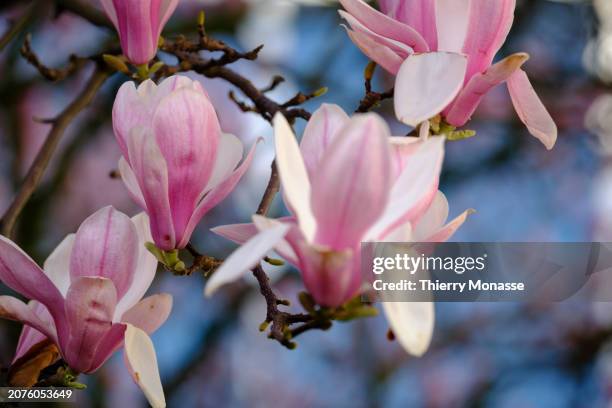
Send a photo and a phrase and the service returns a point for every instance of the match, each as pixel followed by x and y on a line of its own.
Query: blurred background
pixel 210 351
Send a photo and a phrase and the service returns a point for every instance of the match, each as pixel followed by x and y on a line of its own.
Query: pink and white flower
pixel 139 24
pixel 177 164
pixel 349 181
pixel 87 298
pixel 442 52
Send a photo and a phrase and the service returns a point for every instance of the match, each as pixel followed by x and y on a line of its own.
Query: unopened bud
pixel 461 134
pixel 201 18
pixel 320 92
pixel 369 70
pixel 274 261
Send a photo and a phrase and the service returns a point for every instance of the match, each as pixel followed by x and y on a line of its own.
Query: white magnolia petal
pixel 426 84
pixel 293 175
pixel 245 257
pixel 57 265
pixel 412 324
pixel 142 363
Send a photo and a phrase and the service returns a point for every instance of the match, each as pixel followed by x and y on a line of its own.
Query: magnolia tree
pixel 346 180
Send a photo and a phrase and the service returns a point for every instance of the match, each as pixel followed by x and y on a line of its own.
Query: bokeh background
pixel 210 351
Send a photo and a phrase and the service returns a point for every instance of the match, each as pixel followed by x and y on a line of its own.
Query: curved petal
pixel 151 170
pixel 382 55
pixel 90 304
pixel 229 154
pixel 531 110
pixel 30 336
pixel 238 233
pixel 109 9
pixel 447 231
pixel 141 362
pixel 293 175
pixel 57 265
pixel 418 14
pixel 111 342
pixel 414 189
pixel 20 273
pixel 433 219
pixel 321 130
pixel 150 313
pixel 187 132
pixel 146 267
pixel 402 149
pixel 384 25
pixel 470 96
pixel 412 323
pixel 131 109
pixel 426 84
pixel 399 48
pixel 283 248
pixel 105 246
pixel 355 175
pixel 165 10
pixel 245 257
pixel 215 196
pixel 29 314
pixel 452 18
pixel 488 27
pixel 131 183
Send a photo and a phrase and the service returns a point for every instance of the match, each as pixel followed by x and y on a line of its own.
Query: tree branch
pixel 36 171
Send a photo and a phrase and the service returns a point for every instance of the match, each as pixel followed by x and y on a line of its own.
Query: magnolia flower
pixel 442 54
pixel 177 165
pixel 139 24
pixel 87 299
pixel 348 182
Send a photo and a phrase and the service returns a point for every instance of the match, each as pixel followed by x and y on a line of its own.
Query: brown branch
pixel 18 25
pixel 371 98
pixel 43 157
pixel 52 74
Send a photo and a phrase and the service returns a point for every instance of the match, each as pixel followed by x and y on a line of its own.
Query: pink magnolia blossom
pixel 349 181
pixel 176 164
pixel 442 52
pixel 87 298
pixel 139 24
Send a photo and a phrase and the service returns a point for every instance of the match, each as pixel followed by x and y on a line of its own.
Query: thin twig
pixel 43 157
pixel 18 25
pixel 52 74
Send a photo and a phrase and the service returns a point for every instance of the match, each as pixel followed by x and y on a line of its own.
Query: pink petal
pixel 146 267
pixel 282 247
pixel 426 84
pixel 238 233
pixel 187 133
pixel 166 8
pixel 111 342
pixel 402 50
pixel 402 149
pixel 418 14
pixel 246 257
pixel 488 27
pixel 131 109
pixel 141 362
pixel 412 323
pixel 331 277
pixel 354 175
pixel 382 55
pixel 14 309
pixel 293 175
pixel 215 196
pixel 150 313
pixel 90 304
pixel 138 37
pixel 57 265
pixel 531 110
pixel 452 18
pixel 469 98
pixel 229 154
pixel 384 25
pixel 19 272
pixel 321 130
pixel 105 246
pixel 150 168
pixel 30 336
pixel 433 219
pixel 447 231
pixel 131 183
pixel 415 188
